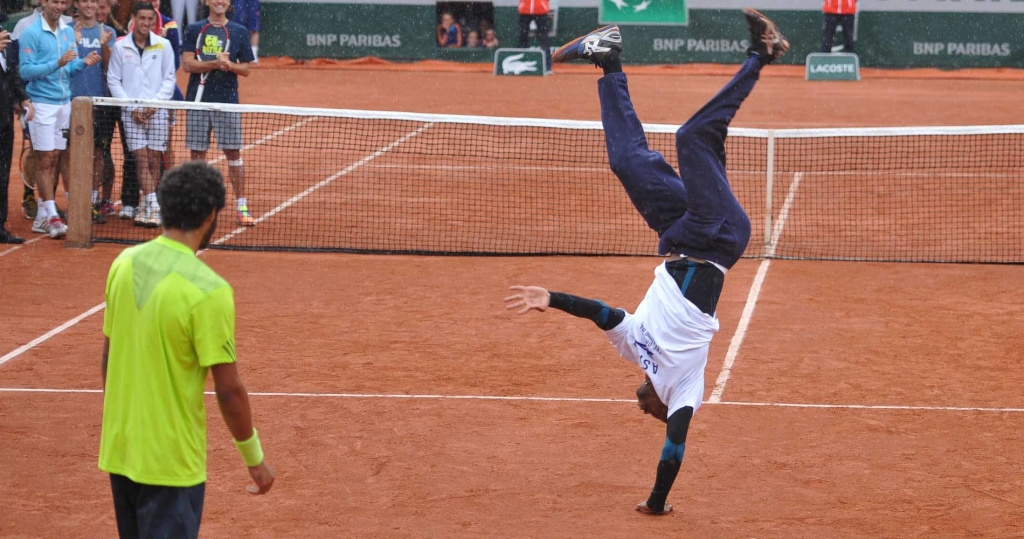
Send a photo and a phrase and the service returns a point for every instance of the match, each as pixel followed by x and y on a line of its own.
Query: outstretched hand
pixel 642 507
pixel 528 297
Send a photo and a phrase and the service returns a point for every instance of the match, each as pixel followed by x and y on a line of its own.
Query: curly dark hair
pixel 188 193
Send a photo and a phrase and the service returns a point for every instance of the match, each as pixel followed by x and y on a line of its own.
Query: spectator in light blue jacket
pixel 48 59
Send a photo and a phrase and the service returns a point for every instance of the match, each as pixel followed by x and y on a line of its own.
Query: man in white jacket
pixel 142 67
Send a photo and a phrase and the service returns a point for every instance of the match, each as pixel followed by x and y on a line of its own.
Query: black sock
pixel 612 63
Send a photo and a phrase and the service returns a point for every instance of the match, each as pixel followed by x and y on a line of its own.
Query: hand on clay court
pixel 642 507
pixel 107 36
pixel 263 476
pixel 528 297
pixel 78 32
pixel 5 39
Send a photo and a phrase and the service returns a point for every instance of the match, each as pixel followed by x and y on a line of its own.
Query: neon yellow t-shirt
pixel 169 318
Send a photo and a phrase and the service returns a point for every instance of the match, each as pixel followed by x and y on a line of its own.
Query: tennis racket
pixel 27 159
pixel 212 41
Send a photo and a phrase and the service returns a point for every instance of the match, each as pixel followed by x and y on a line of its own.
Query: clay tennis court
pixel 396 397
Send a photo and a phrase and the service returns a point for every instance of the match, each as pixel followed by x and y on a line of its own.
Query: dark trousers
pixel 129 175
pixel 155 512
pixel 694 212
pixel 828 32
pixel 6 153
pixel 542 35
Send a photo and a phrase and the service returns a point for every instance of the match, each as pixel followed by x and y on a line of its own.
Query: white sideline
pixel 27 242
pixel 27 390
pixel 755 292
pixel 57 330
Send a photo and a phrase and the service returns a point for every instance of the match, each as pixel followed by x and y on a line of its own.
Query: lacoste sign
pixel 519 62
pixel 832 66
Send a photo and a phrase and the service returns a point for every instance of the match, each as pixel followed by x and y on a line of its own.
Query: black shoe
pixel 765 38
pixel 7 237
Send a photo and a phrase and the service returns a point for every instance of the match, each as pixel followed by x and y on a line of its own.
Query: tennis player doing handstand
pixel 700 224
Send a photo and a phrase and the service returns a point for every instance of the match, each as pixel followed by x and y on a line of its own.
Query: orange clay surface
pixel 339 328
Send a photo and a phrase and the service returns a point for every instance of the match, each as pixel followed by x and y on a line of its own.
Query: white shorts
pixel 48 125
pixel 152 134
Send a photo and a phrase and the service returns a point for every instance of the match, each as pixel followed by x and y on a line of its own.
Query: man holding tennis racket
pixel 13 99
pixel 219 53
pixel 701 227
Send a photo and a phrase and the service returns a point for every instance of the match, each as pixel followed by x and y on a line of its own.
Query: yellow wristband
pixel 252 452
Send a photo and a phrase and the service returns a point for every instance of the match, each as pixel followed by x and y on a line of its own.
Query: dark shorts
pixel 155 511
pixel 103 120
pixel 247 13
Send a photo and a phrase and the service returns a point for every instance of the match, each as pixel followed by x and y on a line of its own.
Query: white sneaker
pixel 151 218
pixel 127 212
pixel 39 224
pixel 56 228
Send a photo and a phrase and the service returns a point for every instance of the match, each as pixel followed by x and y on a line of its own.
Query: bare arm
pixel 103 362
pixel 239 68
pixel 233 400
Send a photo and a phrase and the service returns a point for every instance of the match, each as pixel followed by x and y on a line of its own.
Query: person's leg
pixel 848 33
pixel 542 38
pixel 126 494
pixel 170 511
pixel 178 13
pixel 6 153
pixel 715 227
pixel 828 32
pixel 524 31
pixel 654 188
pixel 129 173
pixel 227 127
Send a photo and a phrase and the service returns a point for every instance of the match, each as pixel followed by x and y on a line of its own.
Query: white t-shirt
pixel 668 337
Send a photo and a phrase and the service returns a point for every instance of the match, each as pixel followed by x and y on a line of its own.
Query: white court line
pixel 247 147
pixel 755 291
pixel 57 330
pixel 326 181
pixel 46 336
pixel 520 398
pixel 27 243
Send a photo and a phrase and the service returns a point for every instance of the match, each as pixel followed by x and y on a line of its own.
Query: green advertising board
pixel 519 62
pixel 646 12
pixel 945 34
pixel 832 66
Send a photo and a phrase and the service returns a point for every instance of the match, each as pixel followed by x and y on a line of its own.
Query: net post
pixel 770 180
pixel 80 148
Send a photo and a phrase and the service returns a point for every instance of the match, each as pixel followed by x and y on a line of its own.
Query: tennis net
pixel 391 182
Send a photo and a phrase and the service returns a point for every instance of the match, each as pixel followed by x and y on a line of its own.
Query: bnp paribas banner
pixel 890 33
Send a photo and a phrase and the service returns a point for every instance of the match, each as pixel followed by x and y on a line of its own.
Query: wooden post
pixel 80 148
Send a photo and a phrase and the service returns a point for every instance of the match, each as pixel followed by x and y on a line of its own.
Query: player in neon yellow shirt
pixel 169 320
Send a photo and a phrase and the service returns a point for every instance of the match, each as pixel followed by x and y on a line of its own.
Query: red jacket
pixel 832 7
pixel 534 7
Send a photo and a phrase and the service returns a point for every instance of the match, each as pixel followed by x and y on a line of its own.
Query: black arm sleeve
pixel 671 457
pixel 596 311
